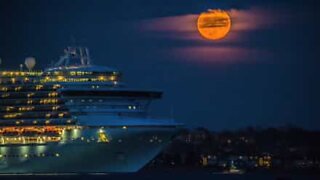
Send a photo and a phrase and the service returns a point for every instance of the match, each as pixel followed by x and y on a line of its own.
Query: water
pixel 165 176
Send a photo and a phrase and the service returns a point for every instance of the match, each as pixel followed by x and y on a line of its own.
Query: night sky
pixel 264 73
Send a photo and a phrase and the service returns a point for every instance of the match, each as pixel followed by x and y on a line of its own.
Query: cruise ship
pixel 75 117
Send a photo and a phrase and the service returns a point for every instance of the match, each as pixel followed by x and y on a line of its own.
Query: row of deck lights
pixel 66 79
pixel 28 108
pixel 21 73
pixel 29 155
pixel 46 122
pixel 29 95
pixel 36 122
pixel 39 73
pixel 37 88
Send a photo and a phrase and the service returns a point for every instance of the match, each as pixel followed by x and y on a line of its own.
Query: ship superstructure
pixel 76 117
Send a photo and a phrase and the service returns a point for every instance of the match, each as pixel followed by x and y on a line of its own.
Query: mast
pixel 78 56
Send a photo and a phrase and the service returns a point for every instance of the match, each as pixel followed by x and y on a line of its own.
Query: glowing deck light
pixel 60 78
pixel 101 78
pixel 112 78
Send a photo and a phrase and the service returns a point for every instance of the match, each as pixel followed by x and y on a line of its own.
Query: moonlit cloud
pixel 182 23
pixel 255 19
pixel 228 50
pixel 218 54
pixel 242 20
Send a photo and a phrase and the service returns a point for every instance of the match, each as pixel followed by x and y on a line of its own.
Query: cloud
pixel 218 54
pixel 182 23
pixel 242 20
pixel 256 18
pixel 232 49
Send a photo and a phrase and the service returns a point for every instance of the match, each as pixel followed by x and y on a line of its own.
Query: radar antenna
pixel 75 56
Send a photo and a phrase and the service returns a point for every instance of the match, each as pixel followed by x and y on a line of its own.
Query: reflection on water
pixel 164 175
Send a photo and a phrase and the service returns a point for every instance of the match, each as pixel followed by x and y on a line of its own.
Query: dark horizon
pixel 264 73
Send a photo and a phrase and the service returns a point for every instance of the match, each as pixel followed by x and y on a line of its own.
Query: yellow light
pixel 112 78
pixel 55 108
pixel 101 78
pixel 103 137
pixel 56 86
pixel 39 86
pixel 124 127
pixel 5 95
pixel 4 89
pixel 60 78
pixel 9 108
pixel 18 88
pixel 29 101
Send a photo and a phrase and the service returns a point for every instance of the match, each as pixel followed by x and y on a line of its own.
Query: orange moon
pixel 214 24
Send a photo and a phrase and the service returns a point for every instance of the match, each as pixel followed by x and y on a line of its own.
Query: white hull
pixel 128 151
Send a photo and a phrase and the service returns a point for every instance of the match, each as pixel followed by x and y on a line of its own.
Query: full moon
pixel 214 24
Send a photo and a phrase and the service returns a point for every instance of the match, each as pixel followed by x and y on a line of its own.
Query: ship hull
pixel 128 150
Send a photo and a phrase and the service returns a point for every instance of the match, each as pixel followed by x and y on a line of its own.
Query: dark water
pixel 166 176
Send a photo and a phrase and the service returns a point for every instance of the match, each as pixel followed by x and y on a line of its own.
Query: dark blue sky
pixel 265 73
